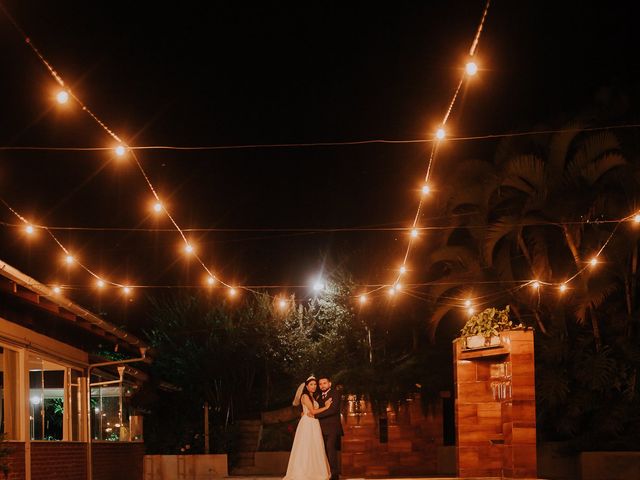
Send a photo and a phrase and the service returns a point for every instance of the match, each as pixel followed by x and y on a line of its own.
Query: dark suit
pixel 331 429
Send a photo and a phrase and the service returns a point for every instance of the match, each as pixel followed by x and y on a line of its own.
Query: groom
pixel 330 424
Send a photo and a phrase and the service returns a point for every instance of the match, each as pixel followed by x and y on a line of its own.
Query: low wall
pixel 58 460
pixel 610 465
pixel 110 457
pixel 187 467
pixel 15 460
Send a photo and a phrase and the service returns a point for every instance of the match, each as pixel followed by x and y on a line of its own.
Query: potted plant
pixel 483 329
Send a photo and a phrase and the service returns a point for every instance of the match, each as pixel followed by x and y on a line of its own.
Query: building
pixel 65 411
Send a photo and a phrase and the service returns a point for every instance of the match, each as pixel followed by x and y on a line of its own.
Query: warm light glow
pixel 535 284
pixel 426 189
pixel 100 283
pixel 62 97
pixel 414 232
pixel 56 290
pixel 120 150
pixel 188 248
pixel 69 259
pixel 392 291
pixel 398 287
pixel 467 303
pixel 563 288
pixel 470 311
pixel 282 304
pixel 363 299
pixel 232 292
pixel 211 280
pixel 29 229
pixel 594 261
pixel 636 218
pixel 440 133
pixel 403 269
pixel 157 207
pixel 471 68
pixel 318 286
pixel 35 400
pixel 126 290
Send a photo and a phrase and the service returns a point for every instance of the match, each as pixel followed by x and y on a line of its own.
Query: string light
pixel 188 248
pixel 69 259
pixel 100 283
pixel 426 189
pixel 56 290
pixel 62 97
pixel 126 290
pixel 403 270
pixel 467 303
pixel 211 280
pixel 318 286
pixel 157 207
pixel 470 311
pixel 636 218
pixel 397 287
pixel 120 150
pixel 440 133
pixel 593 262
pixel 414 232
pixel 232 292
pixel 535 284
pixel 471 68
pixel 392 291
pixel 363 299
pixel 29 229
pixel 282 304
pixel 563 288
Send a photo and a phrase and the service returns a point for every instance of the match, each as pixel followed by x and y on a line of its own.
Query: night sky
pixel 237 73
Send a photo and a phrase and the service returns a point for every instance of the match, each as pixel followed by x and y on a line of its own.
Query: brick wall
pixel 58 460
pixel 121 461
pixel 15 461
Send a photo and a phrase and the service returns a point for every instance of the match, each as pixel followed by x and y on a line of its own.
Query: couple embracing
pixel 314 455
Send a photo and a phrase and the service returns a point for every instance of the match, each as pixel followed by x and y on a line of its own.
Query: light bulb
pixel 563 288
pixel 471 68
pixel 29 229
pixel 56 290
pixel 426 189
pixel 470 311
pixel 397 287
pixel 211 280
pixel 126 290
pixel 636 218
pixel 232 292
pixel 440 133
pixel 188 248
pixel 157 207
pixel 363 299
pixel 100 283
pixel 535 284
pixel 593 261
pixel 69 259
pixel 62 97
pixel 403 269
pixel 318 286
pixel 120 150
pixel 414 232
pixel 282 304
pixel 467 303
pixel 392 291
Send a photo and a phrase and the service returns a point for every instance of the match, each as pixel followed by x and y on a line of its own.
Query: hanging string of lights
pixel 122 149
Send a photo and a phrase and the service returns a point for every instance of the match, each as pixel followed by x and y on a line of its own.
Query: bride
pixel 308 460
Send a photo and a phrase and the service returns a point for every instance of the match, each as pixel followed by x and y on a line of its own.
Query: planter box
pixel 479 341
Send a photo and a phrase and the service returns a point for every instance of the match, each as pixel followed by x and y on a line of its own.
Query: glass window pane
pixel 46 399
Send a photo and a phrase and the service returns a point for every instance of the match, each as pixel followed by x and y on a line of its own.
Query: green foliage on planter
pixel 488 323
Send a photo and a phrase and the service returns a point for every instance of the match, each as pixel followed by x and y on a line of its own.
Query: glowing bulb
pixel 232 292
pixel 593 261
pixel 636 218
pixel 403 269
pixel 188 248
pixel 392 291
pixel 29 229
pixel 471 68
pixel 100 283
pixel 211 280
pixel 282 304
pixel 470 311
pixel 62 97
pixel 563 288
pixel 120 150
pixel 535 284
pixel 56 290
pixel 414 232
pixel 318 286
pixel 440 133
pixel 426 189
pixel 363 299
pixel 397 287
pixel 69 259
pixel 157 207
pixel 467 303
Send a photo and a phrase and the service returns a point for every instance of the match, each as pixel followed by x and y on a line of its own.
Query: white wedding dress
pixel 308 460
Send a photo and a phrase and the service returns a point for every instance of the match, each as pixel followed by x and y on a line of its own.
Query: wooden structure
pixel 495 408
pixel 411 446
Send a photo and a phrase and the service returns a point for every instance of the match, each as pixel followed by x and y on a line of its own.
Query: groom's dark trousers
pixel 331 429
